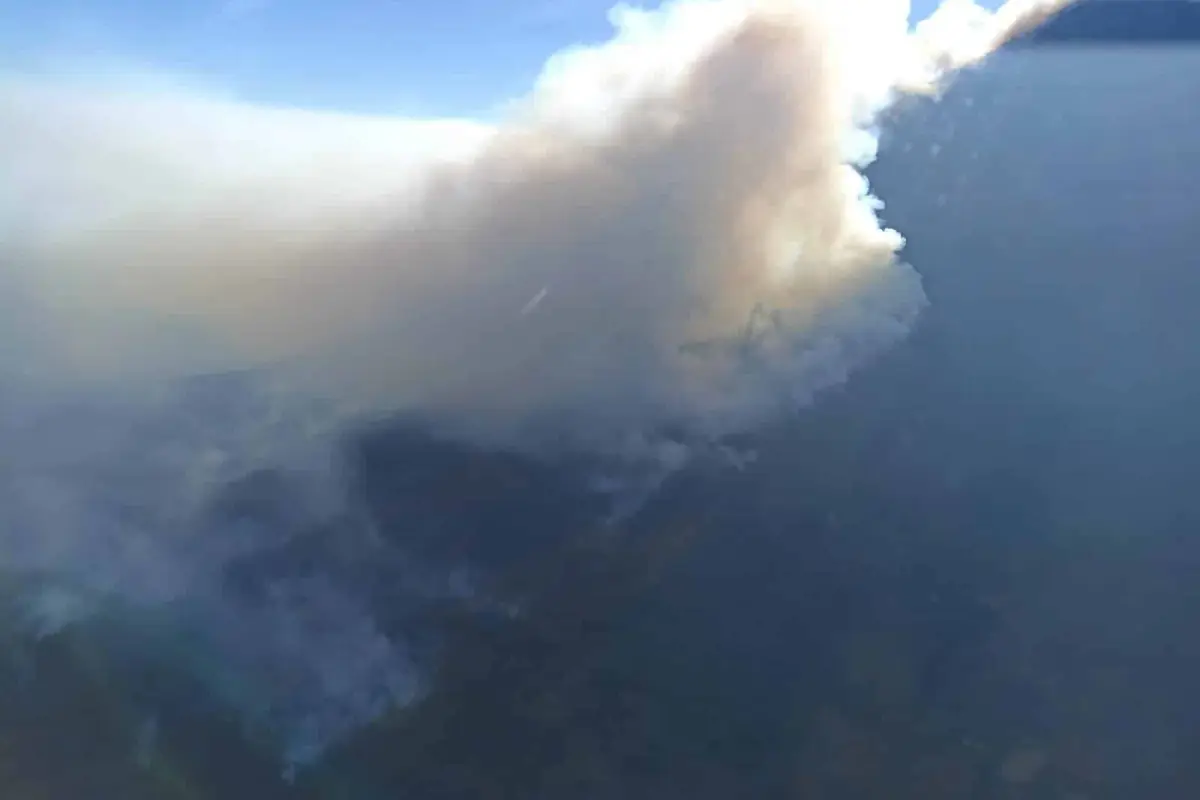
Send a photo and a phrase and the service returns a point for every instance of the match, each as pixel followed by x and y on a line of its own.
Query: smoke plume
pixel 671 229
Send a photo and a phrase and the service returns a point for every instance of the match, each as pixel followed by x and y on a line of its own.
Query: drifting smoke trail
pixel 670 229
pixel 651 194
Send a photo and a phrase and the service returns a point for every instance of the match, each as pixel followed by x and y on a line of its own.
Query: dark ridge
pixel 1118 22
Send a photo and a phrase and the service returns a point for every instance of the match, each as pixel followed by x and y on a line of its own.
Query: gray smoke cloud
pixel 670 229
pixel 666 189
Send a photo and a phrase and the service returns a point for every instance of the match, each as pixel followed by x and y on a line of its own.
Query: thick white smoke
pixel 670 229
pixel 691 181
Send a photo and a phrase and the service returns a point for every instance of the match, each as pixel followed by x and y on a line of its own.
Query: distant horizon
pixel 1120 22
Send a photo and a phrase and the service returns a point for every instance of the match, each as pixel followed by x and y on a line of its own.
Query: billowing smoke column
pixel 671 229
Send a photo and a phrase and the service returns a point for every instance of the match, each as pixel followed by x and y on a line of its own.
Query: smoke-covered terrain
pixel 492 467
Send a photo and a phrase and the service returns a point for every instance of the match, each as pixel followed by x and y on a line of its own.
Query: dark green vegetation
pixel 887 604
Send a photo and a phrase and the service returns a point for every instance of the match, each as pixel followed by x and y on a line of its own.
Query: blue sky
pixel 413 57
